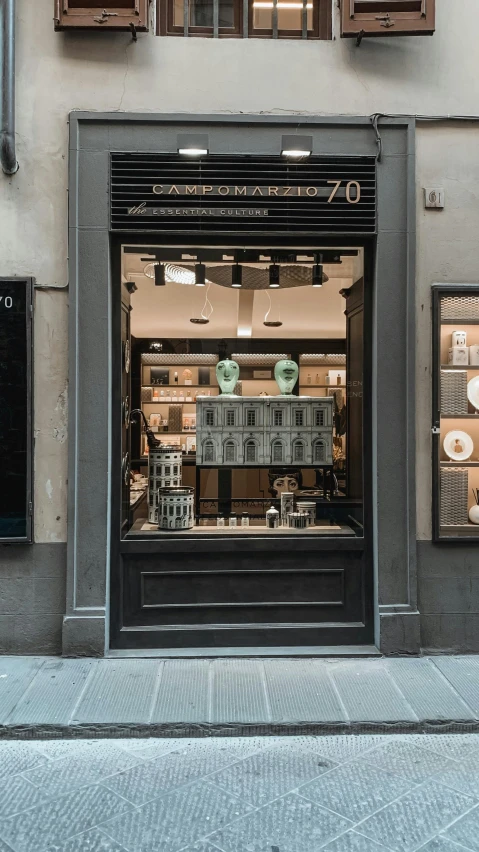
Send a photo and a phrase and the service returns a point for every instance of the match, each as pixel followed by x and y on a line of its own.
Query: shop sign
pixel 323 195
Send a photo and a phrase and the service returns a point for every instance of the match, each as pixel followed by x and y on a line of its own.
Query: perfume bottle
pixel 233 521
pixel 181 396
pixel 338 379
pixel 309 378
pixel 245 519
pixel 176 378
pixel 156 393
pixel 220 522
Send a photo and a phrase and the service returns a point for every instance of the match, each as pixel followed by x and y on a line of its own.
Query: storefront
pixel 241 430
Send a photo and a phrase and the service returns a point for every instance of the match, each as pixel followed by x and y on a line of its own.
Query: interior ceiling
pixel 303 310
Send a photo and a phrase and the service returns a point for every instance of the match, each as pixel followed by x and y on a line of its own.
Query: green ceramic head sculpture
pixel 286 375
pixel 227 374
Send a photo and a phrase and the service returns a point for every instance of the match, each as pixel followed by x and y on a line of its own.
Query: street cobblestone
pixel 273 794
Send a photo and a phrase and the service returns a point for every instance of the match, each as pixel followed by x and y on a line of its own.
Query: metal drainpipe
pixel 8 155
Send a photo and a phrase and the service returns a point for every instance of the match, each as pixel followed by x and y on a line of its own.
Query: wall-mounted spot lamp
pixel 274 276
pixel 193 144
pixel 236 275
pixel 296 146
pixel 160 279
pixel 200 273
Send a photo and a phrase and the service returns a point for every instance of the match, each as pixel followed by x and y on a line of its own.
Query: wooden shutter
pixel 387 17
pixel 101 15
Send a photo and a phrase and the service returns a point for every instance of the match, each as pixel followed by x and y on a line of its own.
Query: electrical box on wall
pixel 434 197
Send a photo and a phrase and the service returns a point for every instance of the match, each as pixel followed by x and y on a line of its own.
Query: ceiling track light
pixel 236 275
pixel 200 273
pixel 160 277
pixel 274 276
pixel 317 275
pixel 193 144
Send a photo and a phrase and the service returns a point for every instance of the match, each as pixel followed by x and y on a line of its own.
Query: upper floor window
pixel 307 19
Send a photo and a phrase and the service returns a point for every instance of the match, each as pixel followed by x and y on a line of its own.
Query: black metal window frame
pixel 28 284
pixel 243 26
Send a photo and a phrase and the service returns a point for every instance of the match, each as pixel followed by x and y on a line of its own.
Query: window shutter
pixel 102 15
pixel 387 17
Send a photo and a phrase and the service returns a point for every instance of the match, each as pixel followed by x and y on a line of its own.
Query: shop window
pixel 245 18
pixel 250 451
pixel 387 17
pixel 277 417
pixel 251 417
pixel 116 15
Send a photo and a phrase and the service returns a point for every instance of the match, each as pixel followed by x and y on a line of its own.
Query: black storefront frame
pixel 123 547
pixel 93 137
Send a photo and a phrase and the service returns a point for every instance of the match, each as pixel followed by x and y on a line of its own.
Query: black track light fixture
pixel 274 276
pixel 200 273
pixel 317 275
pixel 236 276
pixel 160 279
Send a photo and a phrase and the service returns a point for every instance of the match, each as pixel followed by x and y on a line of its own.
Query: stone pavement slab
pixel 113 697
pixel 229 794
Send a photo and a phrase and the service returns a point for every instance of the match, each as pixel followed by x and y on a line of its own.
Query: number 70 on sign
pixel 7 301
pixel 349 198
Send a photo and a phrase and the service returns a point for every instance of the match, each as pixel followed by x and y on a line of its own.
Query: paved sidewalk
pixel 151 697
pixel 270 794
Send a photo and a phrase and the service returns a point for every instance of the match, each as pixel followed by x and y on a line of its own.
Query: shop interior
pixel 243 406
pixel 457 471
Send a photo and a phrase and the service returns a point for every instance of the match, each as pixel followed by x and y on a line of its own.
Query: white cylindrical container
pixel 164 471
pixel 245 519
pixel 233 521
pixel 272 518
pixel 176 508
pixel 298 521
pixel 220 522
pixel 307 507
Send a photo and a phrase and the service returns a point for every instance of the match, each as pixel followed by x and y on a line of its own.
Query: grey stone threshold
pixel 48 697
pixel 307 651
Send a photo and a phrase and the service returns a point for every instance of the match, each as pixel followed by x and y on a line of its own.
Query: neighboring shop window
pixel 245 18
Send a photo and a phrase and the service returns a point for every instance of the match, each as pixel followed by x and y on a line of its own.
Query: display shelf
pixel 451 463
pixel 459 322
pixel 141 527
pixel 174 387
pixel 459 366
pixel 459 416
pixel 336 387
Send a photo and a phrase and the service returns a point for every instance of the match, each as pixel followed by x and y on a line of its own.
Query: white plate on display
pixel 458 445
pixel 473 392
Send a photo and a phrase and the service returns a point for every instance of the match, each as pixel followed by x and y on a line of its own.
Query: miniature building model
pixel 265 430
pixel 164 470
pixel 175 510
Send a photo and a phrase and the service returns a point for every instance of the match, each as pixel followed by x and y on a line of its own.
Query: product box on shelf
pixel 458 356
